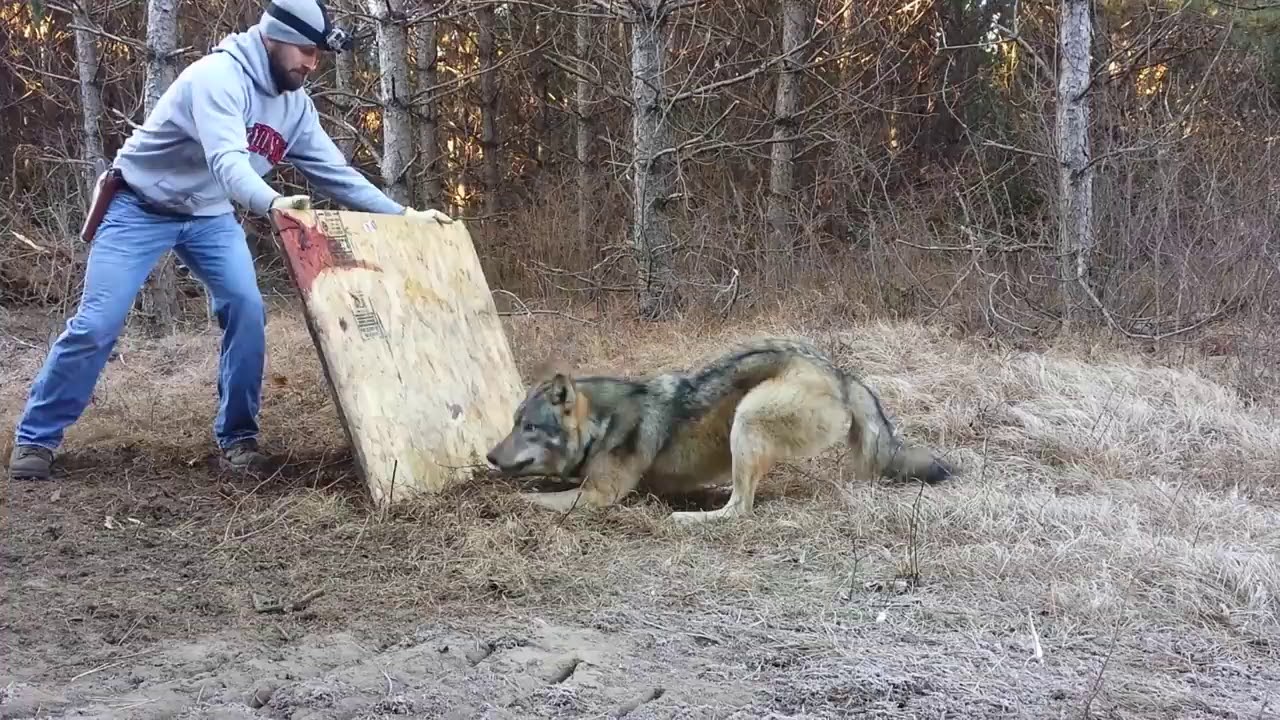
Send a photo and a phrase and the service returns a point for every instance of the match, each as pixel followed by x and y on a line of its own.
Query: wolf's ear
pixel 562 392
pixel 549 368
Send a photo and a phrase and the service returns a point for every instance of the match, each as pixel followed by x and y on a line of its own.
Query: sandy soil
pixel 1111 549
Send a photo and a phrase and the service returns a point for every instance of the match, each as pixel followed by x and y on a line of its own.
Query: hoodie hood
pixel 249 50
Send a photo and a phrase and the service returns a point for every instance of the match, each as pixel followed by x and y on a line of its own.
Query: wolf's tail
pixel 877 449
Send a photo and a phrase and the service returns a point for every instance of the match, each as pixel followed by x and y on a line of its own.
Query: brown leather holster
pixel 108 183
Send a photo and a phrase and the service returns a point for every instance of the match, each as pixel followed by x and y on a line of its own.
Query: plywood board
pixel 410 340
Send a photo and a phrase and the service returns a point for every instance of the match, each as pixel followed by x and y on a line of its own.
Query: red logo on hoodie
pixel 265 141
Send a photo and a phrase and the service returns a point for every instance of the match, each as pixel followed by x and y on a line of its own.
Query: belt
pixel 107 186
pixel 147 205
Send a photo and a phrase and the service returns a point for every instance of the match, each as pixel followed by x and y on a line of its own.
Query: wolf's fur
pixel 760 403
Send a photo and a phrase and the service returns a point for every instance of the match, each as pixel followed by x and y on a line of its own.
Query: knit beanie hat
pixel 303 22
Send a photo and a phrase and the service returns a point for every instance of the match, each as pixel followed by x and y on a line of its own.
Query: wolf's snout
pixel 504 462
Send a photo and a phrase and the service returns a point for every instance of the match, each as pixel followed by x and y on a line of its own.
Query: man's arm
pixel 217 114
pixel 316 156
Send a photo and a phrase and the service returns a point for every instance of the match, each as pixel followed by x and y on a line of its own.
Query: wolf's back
pixel 749 364
pixel 871 432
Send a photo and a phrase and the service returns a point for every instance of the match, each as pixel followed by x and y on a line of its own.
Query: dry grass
pixel 1110 548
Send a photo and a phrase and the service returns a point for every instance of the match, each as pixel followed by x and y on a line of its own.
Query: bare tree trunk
pixel 431 188
pixel 162 45
pixel 344 80
pixel 846 42
pixel 1075 183
pixel 941 137
pixel 159 301
pixel 541 75
pixel 786 105
pixel 846 197
pixel 653 162
pixel 584 130
pixel 90 94
pixel 488 106
pixel 397 122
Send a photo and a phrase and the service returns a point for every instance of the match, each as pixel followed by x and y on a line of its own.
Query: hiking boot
pixel 244 455
pixel 30 462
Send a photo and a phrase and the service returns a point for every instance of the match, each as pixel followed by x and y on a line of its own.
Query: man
pixel 222 125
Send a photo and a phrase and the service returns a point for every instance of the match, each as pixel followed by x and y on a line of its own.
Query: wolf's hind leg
pixel 795 415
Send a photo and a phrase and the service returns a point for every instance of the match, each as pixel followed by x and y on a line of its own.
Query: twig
pixel 1024 151
pixel 757 70
pixel 1107 315
pixel 28 241
pixel 1248 8
pixel 526 310
pixel 90 672
pixel 548 312
pixel 262 605
pixel 24 343
pixel 356 134
pixel 127 120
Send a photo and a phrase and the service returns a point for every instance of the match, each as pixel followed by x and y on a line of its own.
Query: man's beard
pixel 284 81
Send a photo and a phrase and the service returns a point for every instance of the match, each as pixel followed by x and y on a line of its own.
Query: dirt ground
pixel 1110 549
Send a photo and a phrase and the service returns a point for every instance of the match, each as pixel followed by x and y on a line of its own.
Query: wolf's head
pixel 546 435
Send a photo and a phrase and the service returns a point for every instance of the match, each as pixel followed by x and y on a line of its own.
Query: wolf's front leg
pixel 608 480
pixel 566 500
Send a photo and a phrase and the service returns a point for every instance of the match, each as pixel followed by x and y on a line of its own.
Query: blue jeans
pixel 130 241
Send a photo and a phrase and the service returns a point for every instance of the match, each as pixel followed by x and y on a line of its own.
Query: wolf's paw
pixel 565 500
pixel 540 500
pixel 697 517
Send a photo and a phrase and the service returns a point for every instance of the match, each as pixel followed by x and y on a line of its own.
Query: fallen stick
pixel 264 605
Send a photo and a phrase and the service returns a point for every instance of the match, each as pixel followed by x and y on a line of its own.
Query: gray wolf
pixel 225 122
pixel 759 403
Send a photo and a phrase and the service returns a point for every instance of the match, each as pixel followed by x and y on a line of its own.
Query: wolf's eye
pixel 529 427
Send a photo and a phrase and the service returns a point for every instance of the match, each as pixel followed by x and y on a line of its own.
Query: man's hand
pixel 292 202
pixel 429 214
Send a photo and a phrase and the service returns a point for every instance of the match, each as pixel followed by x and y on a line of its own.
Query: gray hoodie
pixel 222 125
